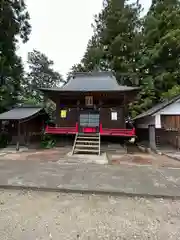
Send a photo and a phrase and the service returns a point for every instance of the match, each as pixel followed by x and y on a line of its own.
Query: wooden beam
pixel 152 137
pixel 18 137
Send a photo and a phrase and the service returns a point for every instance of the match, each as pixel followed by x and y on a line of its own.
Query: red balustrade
pixel 60 130
pixel 103 131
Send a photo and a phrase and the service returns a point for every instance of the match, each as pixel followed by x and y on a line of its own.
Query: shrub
pixel 48 141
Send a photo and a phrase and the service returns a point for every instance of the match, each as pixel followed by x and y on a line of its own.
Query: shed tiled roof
pixel 92 81
pixel 157 108
pixel 20 113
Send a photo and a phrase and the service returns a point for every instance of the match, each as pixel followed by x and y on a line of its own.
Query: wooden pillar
pixel 78 104
pixel 27 134
pixel 100 104
pixel 125 105
pixel 18 137
pixel 57 120
pixel 125 110
pixel 152 137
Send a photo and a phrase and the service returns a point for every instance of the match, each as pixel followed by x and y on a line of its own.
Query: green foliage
pixel 30 101
pixel 141 51
pixel 48 141
pixel 116 42
pixel 159 59
pixel 14 25
pixel 50 108
pixel 41 75
pixel 173 92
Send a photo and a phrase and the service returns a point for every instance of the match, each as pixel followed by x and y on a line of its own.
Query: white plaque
pixel 89 100
pixel 113 115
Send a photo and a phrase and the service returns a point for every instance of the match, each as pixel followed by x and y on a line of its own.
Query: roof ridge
pixel 93 81
pixel 157 107
pixel 22 105
pixel 93 74
pixel 19 113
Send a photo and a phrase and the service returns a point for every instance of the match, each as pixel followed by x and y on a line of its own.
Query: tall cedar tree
pixel 14 24
pixel 160 58
pixel 144 51
pixel 116 41
pixel 118 27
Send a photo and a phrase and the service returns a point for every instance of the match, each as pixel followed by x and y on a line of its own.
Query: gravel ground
pixel 39 215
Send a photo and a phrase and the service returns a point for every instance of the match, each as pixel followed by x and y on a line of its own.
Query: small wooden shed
pixel 160 125
pixel 24 124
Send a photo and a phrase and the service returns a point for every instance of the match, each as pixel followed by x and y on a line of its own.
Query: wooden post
pixel 27 134
pixel 18 138
pixel 124 109
pixel 78 116
pixel 152 137
pixel 100 117
pixel 57 120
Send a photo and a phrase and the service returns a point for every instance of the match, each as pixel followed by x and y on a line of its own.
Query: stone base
pixel 87 158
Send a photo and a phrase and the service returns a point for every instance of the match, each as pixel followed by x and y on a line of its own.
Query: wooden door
pixel 89 121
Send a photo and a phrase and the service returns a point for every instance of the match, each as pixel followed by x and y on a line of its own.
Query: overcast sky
pixel 62 28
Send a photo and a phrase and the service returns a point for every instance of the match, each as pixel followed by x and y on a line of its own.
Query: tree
pixel 14 24
pixel 74 69
pixel 116 41
pixel 92 60
pixel 141 51
pixel 119 32
pixel 41 75
pixel 160 62
pixel 94 57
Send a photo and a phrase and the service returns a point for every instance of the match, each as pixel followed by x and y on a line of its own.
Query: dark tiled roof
pixel 19 113
pixel 98 81
pixel 157 108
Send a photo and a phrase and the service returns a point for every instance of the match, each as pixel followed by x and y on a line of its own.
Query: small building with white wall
pixel 160 125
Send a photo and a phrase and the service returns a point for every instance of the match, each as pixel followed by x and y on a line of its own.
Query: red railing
pixel 60 130
pixel 103 131
pixel 117 132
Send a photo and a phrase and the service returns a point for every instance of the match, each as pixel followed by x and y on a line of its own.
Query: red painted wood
pixel 100 128
pixel 89 130
pixel 118 132
pixel 103 131
pixel 60 130
pixel 76 127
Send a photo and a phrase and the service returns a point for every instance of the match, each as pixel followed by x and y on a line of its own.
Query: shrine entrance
pixel 89 121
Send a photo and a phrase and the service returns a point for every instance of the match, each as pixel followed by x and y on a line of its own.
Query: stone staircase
pixel 87 143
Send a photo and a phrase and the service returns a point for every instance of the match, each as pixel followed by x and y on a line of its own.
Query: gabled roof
pixel 20 113
pixel 92 81
pixel 157 108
